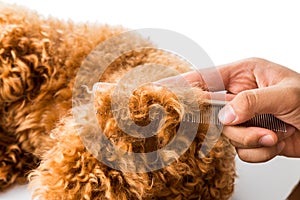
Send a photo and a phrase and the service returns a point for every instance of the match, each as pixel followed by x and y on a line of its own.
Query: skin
pixel 256 86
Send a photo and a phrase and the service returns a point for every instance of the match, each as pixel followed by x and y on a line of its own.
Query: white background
pixel 227 31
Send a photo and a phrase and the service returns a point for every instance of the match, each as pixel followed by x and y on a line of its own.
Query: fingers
pixel 208 79
pixel 258 101
pixel 292 145
pixel 255 144
pixel 250 137
pixel 261 154
pixel 234 77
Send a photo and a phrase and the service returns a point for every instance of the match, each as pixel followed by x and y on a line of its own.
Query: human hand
pixel 260 87
pixel 257 86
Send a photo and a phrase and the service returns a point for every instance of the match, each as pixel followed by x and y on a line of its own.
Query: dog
pixel 43 143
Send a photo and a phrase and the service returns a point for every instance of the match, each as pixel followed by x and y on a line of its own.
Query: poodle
pixel 42 142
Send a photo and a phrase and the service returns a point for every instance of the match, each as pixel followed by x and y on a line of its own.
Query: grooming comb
pixel 210 116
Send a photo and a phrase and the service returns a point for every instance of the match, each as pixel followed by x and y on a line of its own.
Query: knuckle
pixel 247 141
pixel 255 60
pixel 244 155
pixel 249 100
pixel 293 94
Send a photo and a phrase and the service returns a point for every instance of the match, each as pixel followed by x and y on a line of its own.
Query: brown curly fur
pixel 39 59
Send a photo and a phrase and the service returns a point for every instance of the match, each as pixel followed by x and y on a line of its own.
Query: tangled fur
pixel 39 59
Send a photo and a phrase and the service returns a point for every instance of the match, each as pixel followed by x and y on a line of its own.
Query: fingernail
pixel 266 140
pixel 227 114
pixel 280 146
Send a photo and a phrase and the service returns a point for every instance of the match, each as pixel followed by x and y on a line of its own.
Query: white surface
pixel 228 31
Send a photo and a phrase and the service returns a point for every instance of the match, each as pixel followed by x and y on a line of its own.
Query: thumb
pixel 251 102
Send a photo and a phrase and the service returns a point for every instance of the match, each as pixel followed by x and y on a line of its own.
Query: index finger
pixel 208 79
pixel 233 77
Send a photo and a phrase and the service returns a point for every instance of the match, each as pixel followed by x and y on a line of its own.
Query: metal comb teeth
pixel 210 116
